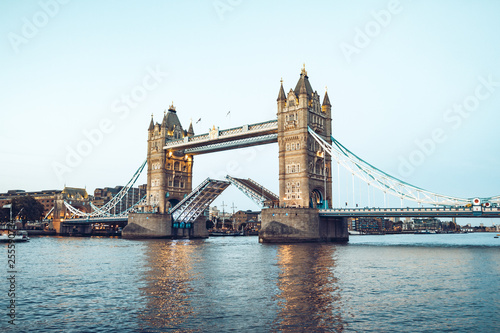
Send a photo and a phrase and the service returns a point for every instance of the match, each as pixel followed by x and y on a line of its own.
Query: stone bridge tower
pixel 169 173
pixel 305 178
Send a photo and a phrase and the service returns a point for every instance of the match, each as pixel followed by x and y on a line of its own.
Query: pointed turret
pixel 326 108
pixel 164 122
pixel 281 98
pixel 171 120
pixel 151 124
pixel 281 95
pixel 326 100
pixel 190 131
pixel 303 85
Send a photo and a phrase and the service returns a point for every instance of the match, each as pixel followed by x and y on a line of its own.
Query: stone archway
pixel 172 203
pixel 241 226
pixel 316 199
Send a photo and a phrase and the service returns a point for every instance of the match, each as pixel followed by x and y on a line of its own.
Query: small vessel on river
pixel 13 236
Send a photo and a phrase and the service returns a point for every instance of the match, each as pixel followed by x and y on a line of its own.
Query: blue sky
pixel 395 71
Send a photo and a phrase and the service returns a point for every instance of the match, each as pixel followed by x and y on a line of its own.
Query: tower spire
pixel 164 122
pixel 190 131
pixel 151 124
pixel 281 95
pixel 326 100
pixel 303 86
pixel 172 107
pixel 303 71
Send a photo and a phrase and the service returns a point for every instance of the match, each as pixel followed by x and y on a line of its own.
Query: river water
pixel 392 283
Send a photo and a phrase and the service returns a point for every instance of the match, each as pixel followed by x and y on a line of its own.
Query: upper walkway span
pixel 233 138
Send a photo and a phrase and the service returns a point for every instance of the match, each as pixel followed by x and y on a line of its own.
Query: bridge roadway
pixel 475 211
pixel 97 219
pixel 484 212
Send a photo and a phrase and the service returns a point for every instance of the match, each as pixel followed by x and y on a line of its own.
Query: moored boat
pixel 228 233
pixel 14 236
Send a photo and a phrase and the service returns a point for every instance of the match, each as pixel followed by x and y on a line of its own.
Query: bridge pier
pixel 297 225
pixel 80 229
pixel 198 230
pixel 156 225
pixel 148 225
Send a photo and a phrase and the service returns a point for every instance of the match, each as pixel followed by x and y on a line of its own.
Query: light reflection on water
pixel 168 277
pixel 309 297
pixel 215 285
pixel 235 284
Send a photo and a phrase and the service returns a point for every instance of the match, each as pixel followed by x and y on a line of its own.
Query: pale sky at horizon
pixel 68 76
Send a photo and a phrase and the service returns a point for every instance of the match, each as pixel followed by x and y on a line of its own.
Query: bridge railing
pixel 491 211
pixel 235 131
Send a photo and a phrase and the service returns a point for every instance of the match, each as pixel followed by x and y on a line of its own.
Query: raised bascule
pixel 302 212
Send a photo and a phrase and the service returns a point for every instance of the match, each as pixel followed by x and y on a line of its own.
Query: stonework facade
pixel 169 173
pixel 305 178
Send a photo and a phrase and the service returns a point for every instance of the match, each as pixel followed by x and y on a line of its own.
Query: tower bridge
pixel 303 210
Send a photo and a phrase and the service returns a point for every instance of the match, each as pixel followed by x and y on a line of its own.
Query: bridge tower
pixel 305 178
pixel 304 170
pixel 169 173
pixel 169 181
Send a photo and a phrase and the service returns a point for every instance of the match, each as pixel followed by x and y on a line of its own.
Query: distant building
pixel 77 197
pixel 214 212
pixel 427 224
pixel 398 226
pixel 369 224
pixel 103 195
pixel 250 218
